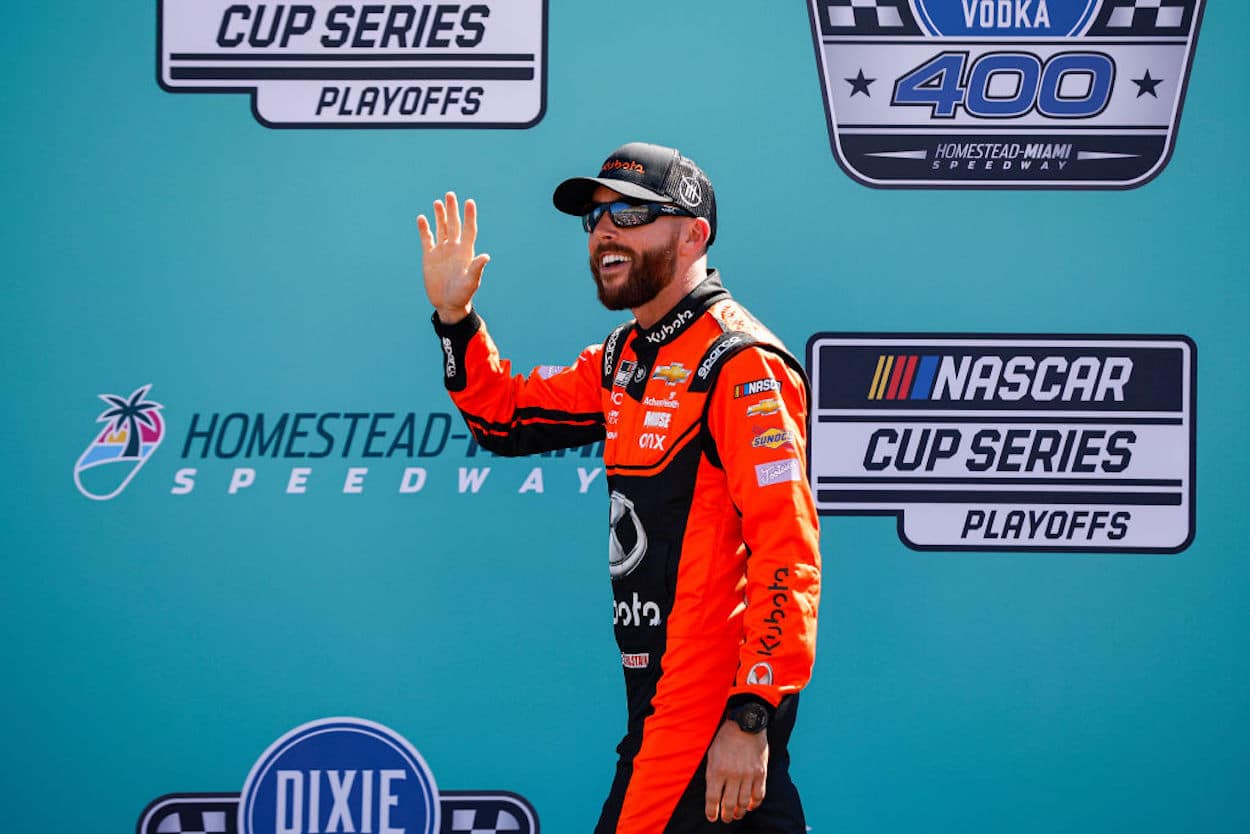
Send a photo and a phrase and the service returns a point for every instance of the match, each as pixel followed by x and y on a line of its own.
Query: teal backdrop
pixel 159 642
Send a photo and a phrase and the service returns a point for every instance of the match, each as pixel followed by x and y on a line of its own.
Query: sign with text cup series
pixel 328 63
pixel 1006 442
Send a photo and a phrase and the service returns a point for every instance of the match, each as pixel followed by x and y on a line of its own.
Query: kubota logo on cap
pixel 622 165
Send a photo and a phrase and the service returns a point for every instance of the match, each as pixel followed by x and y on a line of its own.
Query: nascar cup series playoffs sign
pixel 1008 442
pixel 1004 93
pixel 323 63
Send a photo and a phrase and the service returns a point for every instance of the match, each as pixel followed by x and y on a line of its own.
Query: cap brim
pixel 573 195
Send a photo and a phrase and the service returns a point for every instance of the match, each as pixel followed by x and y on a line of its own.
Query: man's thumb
pixel 477 265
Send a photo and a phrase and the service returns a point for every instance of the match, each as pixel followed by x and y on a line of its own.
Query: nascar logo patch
pixel 1004 93
pixel 1009 443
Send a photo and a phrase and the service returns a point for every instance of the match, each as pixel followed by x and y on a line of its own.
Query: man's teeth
pixel 612 260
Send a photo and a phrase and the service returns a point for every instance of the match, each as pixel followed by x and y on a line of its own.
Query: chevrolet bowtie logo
pixel 673 374
pixel 764 407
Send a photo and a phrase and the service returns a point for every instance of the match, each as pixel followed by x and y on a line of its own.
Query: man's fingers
pixel 711 800
pixel 729 802
pixel 743 799
pixel 757 793
pixel 427 236
pixel 453 217
pixel 469 235
pixel 440 221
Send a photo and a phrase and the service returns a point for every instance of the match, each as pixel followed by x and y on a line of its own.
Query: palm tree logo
pixel 134 429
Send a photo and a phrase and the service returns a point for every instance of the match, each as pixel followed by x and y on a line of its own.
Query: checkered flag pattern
pixel 865 15
pixel 1145 17
pixel 192 821
pixel 466 821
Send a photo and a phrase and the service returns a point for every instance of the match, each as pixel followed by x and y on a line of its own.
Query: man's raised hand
pixel 452 272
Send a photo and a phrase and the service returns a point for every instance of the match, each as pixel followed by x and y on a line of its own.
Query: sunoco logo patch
pixel 327 63
pixel 1008 442
pixel 1004 93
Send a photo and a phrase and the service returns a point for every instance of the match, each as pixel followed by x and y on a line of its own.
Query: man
pixel 713 543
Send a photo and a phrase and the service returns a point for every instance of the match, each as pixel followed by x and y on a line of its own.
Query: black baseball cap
pixel 642 171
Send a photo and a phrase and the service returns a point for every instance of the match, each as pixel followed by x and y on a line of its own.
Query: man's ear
pixel 697 234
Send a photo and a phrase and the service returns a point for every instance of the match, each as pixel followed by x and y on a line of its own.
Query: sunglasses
pixel 626 215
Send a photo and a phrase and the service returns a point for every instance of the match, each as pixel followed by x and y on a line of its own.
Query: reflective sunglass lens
pixel 591 218
pixel 624 215
pixel 628 215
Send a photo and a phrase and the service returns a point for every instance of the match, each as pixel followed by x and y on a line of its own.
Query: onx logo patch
pixel 1004 93
pixel 329 63
pixel 340 775
pixel 1003 442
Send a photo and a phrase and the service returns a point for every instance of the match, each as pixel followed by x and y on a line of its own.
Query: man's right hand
pixel 452 272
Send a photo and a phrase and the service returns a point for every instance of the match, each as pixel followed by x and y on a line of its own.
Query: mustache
pixel 609 248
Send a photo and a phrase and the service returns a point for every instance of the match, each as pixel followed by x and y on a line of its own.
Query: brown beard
pixel 649 273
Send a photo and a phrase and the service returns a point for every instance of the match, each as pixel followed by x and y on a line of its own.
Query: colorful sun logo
pixel 134 429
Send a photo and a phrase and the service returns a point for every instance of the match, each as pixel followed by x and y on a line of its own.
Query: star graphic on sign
pixel 1146 84
pixel 859 84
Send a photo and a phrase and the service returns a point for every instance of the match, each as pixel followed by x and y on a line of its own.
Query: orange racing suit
pixel 713 549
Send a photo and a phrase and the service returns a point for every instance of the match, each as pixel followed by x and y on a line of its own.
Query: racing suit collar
pixel 674 322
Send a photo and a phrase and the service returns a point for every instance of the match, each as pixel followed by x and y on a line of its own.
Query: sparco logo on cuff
pixel 450 368
pixel 663 333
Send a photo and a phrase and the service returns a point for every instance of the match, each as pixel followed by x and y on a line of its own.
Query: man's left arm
pixel 758 421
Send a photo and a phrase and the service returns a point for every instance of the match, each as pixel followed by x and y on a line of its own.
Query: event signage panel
pixel 1004 442
pixel 327 63
pixel 344 450
pixel 1004 93
pixel 340 775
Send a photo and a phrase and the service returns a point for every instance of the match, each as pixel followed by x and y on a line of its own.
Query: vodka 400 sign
pixel 1004 93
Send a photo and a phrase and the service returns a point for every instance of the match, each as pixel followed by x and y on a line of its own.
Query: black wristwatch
pixel 750 717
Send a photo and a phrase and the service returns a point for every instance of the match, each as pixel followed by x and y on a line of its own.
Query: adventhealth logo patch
pixel 328 63
pixel 1009 442
pixel 1004 93
pixel 340 775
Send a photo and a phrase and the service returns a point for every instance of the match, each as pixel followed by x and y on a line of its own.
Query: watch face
pixel 752 718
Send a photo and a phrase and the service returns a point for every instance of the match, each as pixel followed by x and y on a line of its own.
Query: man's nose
pixel 605 229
